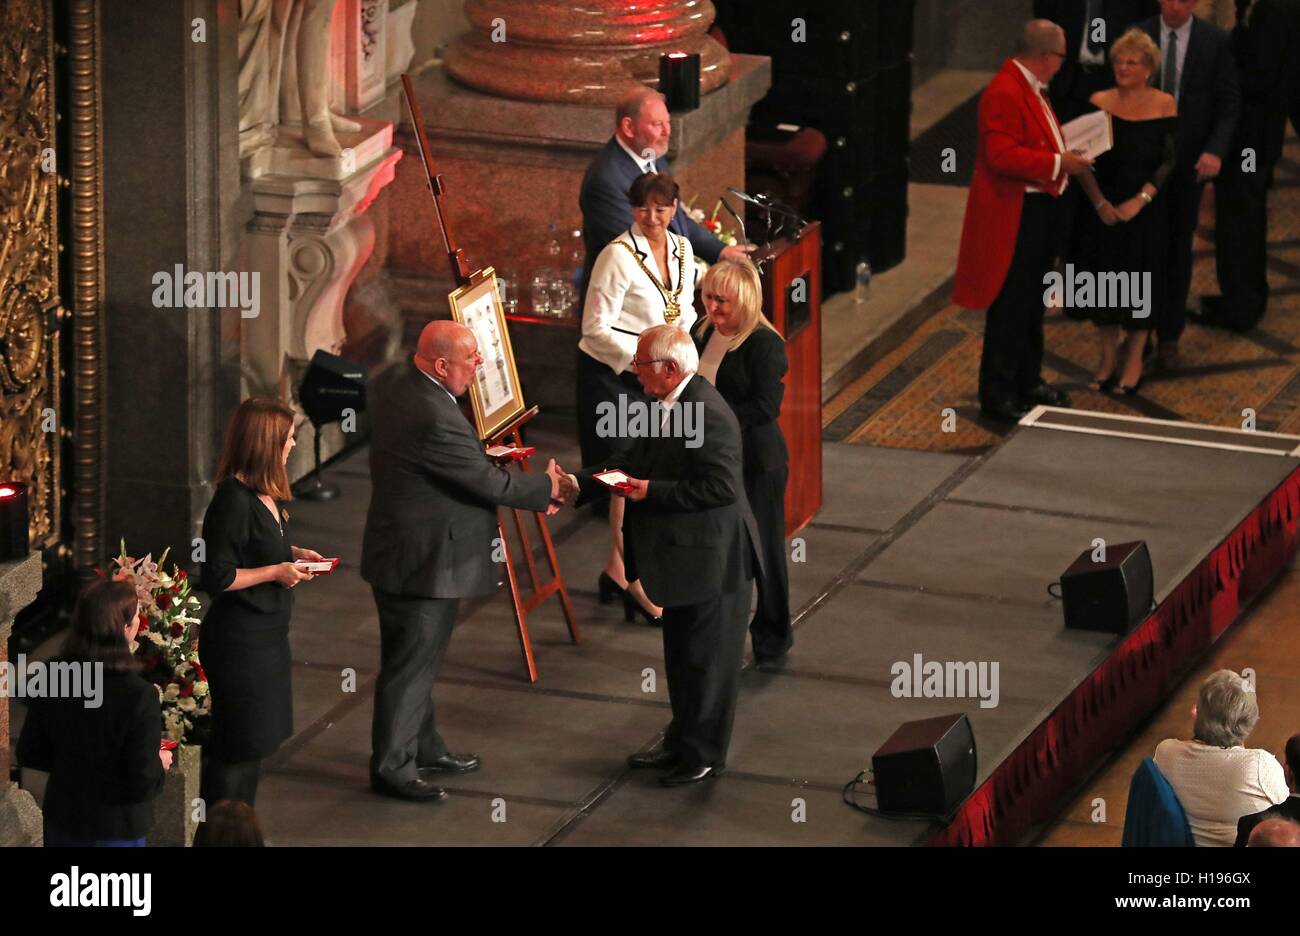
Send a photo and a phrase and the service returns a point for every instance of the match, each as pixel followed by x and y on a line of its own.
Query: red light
pixel 7 491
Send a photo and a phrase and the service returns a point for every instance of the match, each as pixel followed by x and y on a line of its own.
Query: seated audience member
pixel 1215 778
pixel 1287 810
pixel 229 824
pixel 1275 833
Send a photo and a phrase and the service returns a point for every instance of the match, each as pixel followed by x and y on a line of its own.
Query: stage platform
pixel 940 555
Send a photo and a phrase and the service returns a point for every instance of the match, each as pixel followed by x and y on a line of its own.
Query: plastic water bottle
pixel 862 288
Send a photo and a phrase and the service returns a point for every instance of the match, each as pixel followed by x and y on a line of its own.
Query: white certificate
pixel 1089 135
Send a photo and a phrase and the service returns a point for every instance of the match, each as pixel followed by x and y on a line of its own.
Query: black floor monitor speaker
pixel 926 766
pixel 1111 592
pixel 331 385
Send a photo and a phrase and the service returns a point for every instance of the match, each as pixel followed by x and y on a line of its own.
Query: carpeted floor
pixel 923 394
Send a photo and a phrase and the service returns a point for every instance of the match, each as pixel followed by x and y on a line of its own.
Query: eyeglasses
pixel 639 364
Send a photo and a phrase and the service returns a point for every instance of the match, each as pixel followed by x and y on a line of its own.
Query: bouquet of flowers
pixel 711 222
pixel 167 644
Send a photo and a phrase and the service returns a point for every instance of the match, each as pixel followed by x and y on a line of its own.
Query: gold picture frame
pixel 496 394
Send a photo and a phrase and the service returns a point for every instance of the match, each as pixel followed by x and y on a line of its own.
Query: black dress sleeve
pixel 761 401
pixel 225 530
pixel 36 744
pixel 142 769
pixel 1170 146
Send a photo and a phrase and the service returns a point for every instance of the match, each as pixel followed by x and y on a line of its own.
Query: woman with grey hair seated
pixel 1215 777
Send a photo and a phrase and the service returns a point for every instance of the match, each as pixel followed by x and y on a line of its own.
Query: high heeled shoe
pixel 632 607
pixel 608 588
pixel 1125 390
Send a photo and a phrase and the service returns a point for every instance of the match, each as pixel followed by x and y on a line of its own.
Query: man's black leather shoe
pixel 661 760
pixel 1007 411
pixel 1048 395
pixel 684 775
pixel 411 790
pixel 452 763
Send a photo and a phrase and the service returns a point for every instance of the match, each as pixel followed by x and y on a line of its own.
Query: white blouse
pixel 1217 786
pixel 622 301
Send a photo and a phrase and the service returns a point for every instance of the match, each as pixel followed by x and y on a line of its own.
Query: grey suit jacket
pixel 432 516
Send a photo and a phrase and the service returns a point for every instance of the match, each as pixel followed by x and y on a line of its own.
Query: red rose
pixel 144 622
pixel 177 628
pixel 187 691
pixel 180 574
pixel 164 602
pixel 198 671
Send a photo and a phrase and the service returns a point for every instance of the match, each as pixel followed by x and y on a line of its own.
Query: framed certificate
pixel 495 393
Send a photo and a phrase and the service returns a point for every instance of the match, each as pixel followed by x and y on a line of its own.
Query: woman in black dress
pixel 1128 233
pixel 743 356
pixel 250 572
pixel 105 760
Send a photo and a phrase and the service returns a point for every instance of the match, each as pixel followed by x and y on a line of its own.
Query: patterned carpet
pixel 923 394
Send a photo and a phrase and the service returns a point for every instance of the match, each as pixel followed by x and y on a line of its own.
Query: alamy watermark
pixel 212 290
pixel 1087 290
pixel 953 679
pixel 55 679
pixel 636 419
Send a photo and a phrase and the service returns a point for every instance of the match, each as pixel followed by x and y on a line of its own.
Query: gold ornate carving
pixel 87 274
pixel 29 354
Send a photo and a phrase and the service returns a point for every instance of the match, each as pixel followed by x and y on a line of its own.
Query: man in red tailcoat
pixel 1021 168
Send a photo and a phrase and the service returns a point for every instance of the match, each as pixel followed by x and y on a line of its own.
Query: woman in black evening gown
pixel 249 571
pixel 1128 235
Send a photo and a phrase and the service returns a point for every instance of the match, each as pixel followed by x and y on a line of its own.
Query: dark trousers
pixel 1183 193
pixel 597 384
pixel 228 780
pixel 770 629
pixel 413 636
pixel 1012 359
pixel 1241 241
pixel 703 645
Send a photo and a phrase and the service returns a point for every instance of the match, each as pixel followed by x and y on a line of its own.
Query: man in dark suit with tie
pixel 1290 807
pixel 1197 69
pixel 428 543
pixel 1264 47
pixel 690 538
pixel 642 127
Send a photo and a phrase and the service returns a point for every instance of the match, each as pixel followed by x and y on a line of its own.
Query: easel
pixel 506 435
pixel 541 590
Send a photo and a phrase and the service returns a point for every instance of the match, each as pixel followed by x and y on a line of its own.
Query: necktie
pixel 1171 66
pixel 1090 17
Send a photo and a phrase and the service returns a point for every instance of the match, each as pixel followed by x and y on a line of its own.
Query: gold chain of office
pixel 672 303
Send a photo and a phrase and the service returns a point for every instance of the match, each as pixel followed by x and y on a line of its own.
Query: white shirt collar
pixel 438 382
pixel 676 392
pixel 1182 31
pixel 643 164
pixel 1030 77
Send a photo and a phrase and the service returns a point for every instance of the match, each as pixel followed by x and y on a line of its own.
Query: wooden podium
pixel 792 299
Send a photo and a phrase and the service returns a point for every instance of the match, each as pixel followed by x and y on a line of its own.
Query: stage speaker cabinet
pixel 926 766
pixel 330 386
pixel 1110 594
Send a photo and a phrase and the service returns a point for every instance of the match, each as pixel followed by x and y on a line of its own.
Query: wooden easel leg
pixel 557 578
pixel 521 616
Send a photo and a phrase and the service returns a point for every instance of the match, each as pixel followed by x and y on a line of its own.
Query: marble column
pixel 20 817
pixel 309 237
pixel 581 53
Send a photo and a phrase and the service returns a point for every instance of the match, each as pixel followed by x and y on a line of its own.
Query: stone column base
pixel 20 818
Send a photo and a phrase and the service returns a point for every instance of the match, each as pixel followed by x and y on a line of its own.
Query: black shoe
pixel 411 790
pixel 1124 390
pixel 608 588
pixel 632 607
pixel 1006 411
pixel 1047 395
pixel 771 664
pixel 685 774
pixel 452 763
pixel 659 760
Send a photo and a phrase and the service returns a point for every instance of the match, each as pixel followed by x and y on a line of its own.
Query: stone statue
pixel 284 74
